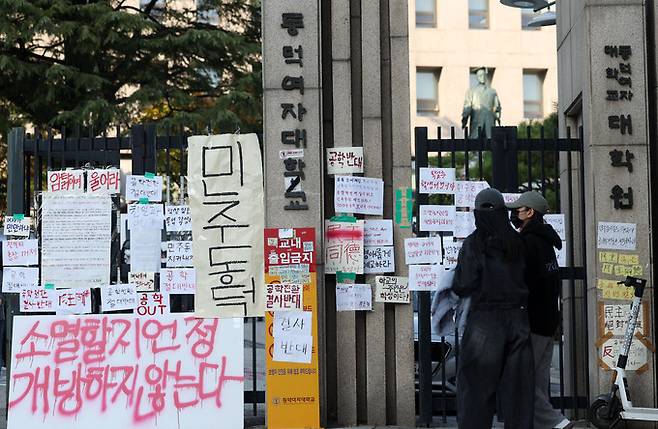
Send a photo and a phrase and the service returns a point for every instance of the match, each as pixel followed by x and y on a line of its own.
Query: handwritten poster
pixel 17 227
pixel 226 203
pixel 561 255
pixel 138 187
pixel 284 297
pixel 293 348
pixel 72 301
pixel 437 218
pixel 425 277
pixel 451 252
pixel 344 247
pixel 119 297
pixel 20 252
pixel 437 180
pixel 292 273
pixel 616 236
pixel 145 216
pixel 178 281
pixel 378 259
pixel 136 357
pixel 178 218
pixel 14 279
pixel 292 323
pixel 152 304
pixel 104 181
pixel 145 250
pixel 466 191
pixel 392 289
pixel 637 356
pixel 75 240
pixel 425 250
pixel 558 224
pixel 66 181
pixel 359 195
pixel 615 319
pixel 611 290
pixel 353 297
pixel 179 253
pixel 344 160
pixel 378 232
pixel 464 224
pixel 37 300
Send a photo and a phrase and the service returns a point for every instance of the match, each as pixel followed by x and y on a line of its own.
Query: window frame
pixel 479 13
pixel 541 76
pixel 427 106
pixel 429 23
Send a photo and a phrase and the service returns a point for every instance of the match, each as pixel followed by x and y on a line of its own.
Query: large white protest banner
pixel 226 202
pixel 76 234
pixel 164 372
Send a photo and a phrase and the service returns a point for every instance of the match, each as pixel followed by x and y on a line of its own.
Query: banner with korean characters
pixel 293 386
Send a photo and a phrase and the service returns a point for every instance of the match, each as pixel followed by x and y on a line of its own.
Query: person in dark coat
pixel 496 355
pixel 543 279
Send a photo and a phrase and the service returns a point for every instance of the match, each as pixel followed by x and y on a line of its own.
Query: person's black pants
pixel 496 356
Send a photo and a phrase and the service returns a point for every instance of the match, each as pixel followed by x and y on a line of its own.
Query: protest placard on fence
pixel 558 223
pixel 378 232
pixel 616 236
pixel 464 224
pixel 104 181
pixel 344 247
pixel 14 279
pixel 284 297
pixel 392 289
pixel 145 250
pixel 17 226
pixel 353 297
pixel 466 191
pixel 152 304
pixel 425 277
pixel 176 281
pixel 140 187
pixel 144 281
pixel 424 250
pixel 128 358
pixel 37 300
pixel 345 160
pixel 437 218
pixel 378 259
pixel 66 181
pixel 72 301
pixel 358 195
pixel 179 254
pixel 119 297
pixel 178 218
pixel 20 252
pixel 437 180
pixel 145 216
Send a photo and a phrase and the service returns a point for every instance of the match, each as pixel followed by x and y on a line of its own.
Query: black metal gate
pixel 511 161
pixel 30 157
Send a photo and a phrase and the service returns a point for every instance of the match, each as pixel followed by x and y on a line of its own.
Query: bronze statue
pixel 481 106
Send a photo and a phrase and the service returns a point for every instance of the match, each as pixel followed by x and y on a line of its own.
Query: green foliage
pixel 98 63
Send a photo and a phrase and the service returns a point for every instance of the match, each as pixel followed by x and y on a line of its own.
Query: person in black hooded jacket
pixel 543 279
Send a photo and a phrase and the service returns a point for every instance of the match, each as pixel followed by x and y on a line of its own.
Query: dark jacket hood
pixel 543 230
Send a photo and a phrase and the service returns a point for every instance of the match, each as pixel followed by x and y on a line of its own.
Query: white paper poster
pixel 284 297
pixel 37 300
pixel 426 250
pixel 72 301
pixel 378 260
pixel 17 227
pixel 392 289
pixel 20 252
pixel 616 236
pixel 179 254
pixel 138 187
pixel 437 218
pixel 152 304
pixel 344 247
pixel 425 277
pixel 177 281
pixel 226 203
pixel 437 180
pixel 145 250
pixel 353 297
pixel 451 252
pixel 359 195
pixel 76 234
pixel 378 232
pixel 67 181
pixel 466 191
pixel 143 281
pixel 558 224
pixel 561 255
pixel 145 216
pixel 292 323
pixel 615 319
pixel 178 218
pixel 104 181
pixel 119 297
pixel 193 366
pixel 637 356
pixel 344 160
pixel 464 224
pixel 293 348
pixel 14 279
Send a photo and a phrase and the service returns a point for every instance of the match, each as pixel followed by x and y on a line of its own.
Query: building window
pixel 427 91
pixel 526 17
pixel 478 14
pixel 473 78
pixel 533 93
pixel 426 13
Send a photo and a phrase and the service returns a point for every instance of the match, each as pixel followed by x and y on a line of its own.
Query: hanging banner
pixel 226 203
pixel 125 371
pixel 293 388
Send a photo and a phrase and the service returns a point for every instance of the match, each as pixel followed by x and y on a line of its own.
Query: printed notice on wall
pixel 437 181
pixel 344 247
pixel 344 160
pixel 75 240
pixel 132 356
pixel 359 195
pixel 392 289
pixel 616 236
pixel 226 203
pixel 437 218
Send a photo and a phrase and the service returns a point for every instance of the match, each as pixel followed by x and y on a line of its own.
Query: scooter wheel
pixel 600 414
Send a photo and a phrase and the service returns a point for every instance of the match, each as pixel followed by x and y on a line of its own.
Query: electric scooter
pixel 609 409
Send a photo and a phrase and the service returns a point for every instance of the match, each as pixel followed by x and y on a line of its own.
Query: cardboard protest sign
pixel 72 301
pixel 194 366
pixel 437 180
pixel 152 304
pixel 17 226
pixel 344 160
pixel 14 279
pixel 344 247
pixel 67 181
pixel 425 277
pixel 36 300
pixel 145 216
pixel 616 236
pixel 391 289
pixel 76 234
pixel 176 281
pixel 178 218
pixel 284 297
pixel 353 297
pixel 359 195
pixel 179 254
pixel 119 297
pixel 378 232
pixel 143 281
pixel 20 252
pixel 148 187
pixel 425 250
pixel 226 202
pixel 378 259
pixel 104 181
pixel 437 218
pixel 466 191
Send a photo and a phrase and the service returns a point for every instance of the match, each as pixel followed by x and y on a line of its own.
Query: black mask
pixel 514 218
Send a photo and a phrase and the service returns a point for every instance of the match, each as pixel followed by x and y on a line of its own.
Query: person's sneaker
pixel 564 424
